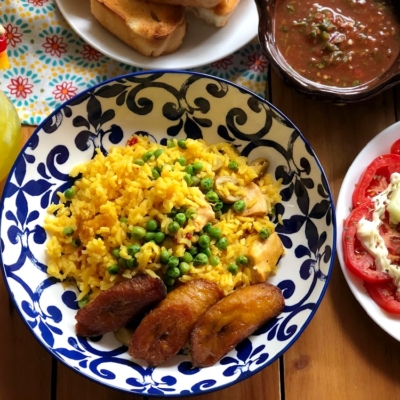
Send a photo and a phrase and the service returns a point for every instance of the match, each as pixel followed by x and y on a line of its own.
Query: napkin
pixel 50 63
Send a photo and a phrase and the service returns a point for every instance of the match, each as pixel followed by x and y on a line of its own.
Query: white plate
pixel 379 145
pixel 202 45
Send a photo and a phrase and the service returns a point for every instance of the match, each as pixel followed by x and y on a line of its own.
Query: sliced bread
pixel 218 15
pixel 151 29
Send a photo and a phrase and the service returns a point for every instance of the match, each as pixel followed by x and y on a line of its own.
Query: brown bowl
pixel 266 28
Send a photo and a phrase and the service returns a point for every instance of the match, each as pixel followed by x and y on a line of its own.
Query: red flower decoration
pixel 90 54
pixel 55 46
pixel 20 87
pixel 12 35
pixel 38 3
pixel 224 63
pixel 257 62
pixel 65 91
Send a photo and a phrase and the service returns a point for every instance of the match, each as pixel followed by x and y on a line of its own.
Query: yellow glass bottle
pixel 10 135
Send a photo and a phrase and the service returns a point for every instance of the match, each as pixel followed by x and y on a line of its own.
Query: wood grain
pixel 342 353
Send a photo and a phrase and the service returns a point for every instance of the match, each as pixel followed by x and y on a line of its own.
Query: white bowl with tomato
pixel 368 215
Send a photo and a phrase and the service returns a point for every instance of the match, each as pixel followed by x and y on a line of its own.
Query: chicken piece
pixel 265 255
pixel 166 329
pixel 231 320
pixel 117 306
pixel 256 204
pixel 205 214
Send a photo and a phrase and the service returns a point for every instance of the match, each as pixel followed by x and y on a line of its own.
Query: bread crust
pixel 218 15
pixel 151 29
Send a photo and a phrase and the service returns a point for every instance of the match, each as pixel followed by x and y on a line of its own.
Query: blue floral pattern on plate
pixel 162 105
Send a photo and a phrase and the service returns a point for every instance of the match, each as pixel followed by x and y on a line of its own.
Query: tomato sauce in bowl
pixel 333 50
pixel 337 42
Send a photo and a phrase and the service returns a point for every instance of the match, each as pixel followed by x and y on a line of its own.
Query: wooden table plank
pixel 22 355
pixel 342 353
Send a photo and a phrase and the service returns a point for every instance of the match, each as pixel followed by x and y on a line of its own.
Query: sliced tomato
pixel 356 258
pixel 384 294
pixel 375 178
pixel 395 148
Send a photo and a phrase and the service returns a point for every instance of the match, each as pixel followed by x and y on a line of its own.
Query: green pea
pixel 214 261
pixel 233 165
pixel 218 205
pixel 241 260
pixel 215 232
pixel 149 236
pixel 83 301
pixel 113 269
pixel 159 237
pixel 133 249
pixel 182 144
pixel 131 263
pixel 193 250
pixel 200 259
pixel 164 256
pixel 137 232
pixel 152 225
pixel 173 212
pixel 204 241
pixel 68 231
pixel 171 143
pixel 148 155
pixel 173 272
pixel 76 242
pixel 206 184
pixel 169 282
pixel 233 269
pixel 272 213
pixel 158 153
pixel 218 214
pixel 184 268
pixel 222 243
pixel 180 218
pixel 123 220
pixel 181 161
pixel 115 252
pixel 155 174
pixel 264 233
pixel 187 257
pixel 195 181
pixel 207 227
pixel 70 193
pixel 212 197
pixel 189 170
pixel 197 166
pixel 207 251
pixel 138 161
pixel 173 262
pixel 190 213
pixel 173 227
pixel 188 179
pixel 239 206
pixel 122 262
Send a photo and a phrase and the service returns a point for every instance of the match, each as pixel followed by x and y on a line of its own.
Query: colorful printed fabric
pixel 51 64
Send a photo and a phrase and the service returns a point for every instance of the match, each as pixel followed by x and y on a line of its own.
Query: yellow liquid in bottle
pixel 10 135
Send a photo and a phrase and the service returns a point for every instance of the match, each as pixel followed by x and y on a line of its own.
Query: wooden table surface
pixel 342 354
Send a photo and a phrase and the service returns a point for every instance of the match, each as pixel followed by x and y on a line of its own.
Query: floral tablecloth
pixel 50 63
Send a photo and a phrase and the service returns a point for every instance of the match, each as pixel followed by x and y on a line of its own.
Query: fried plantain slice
pixel 166 329
pixel 231 320
pixel 117 306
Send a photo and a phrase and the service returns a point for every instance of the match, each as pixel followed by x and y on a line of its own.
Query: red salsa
pixel 341 43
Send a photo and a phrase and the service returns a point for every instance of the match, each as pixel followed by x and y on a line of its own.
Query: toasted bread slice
pixel 191 3
pixel 218 15
pixel 151 29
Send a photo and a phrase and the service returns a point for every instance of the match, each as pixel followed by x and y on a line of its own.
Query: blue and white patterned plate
pixel 170 104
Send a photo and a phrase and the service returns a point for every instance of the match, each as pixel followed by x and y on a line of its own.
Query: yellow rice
pixel 113 186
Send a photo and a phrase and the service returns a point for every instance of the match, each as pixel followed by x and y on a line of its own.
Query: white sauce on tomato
pixel 368 231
